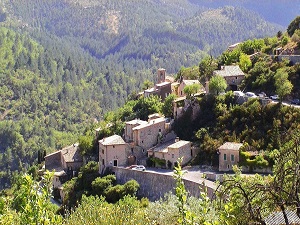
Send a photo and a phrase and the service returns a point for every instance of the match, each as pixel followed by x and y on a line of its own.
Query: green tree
pixel 32 201
pixel 293 26
pixel 167 108
pixel 245 62
pixel 191 90
pixel 147 84
pixel 147 106
pixel 85 144
pixel 206 68
pixel 282 83
pixel 217 85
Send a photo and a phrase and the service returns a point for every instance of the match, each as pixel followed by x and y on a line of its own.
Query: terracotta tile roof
pixel 112 140
pixel 230 146
pixel 229 71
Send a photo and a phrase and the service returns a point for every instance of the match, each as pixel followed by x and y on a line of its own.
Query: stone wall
pixel 154 185
pixel 293 58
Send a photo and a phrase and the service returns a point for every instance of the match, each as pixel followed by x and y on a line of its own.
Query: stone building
pixel 233 76
pixel 65 163
pixel 113 151
pixel 149 134
pixel 229 155
pixel 171 151
pixel 162 87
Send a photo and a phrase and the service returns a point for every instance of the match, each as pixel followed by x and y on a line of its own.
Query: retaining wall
pixel 155 185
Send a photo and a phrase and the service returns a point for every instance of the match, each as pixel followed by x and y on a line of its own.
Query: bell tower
pixel 161 75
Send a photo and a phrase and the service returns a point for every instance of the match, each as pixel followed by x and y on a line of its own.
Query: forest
pixel 69 66
pixel 65 64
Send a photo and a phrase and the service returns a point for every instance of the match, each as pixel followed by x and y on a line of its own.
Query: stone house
pixel 233 46
pixel 149 134
pixel 233 76
pixel 65 163
pixel 113 151
pixel 162 87
pixel 183 84
pixel 229 155
pixel 171 151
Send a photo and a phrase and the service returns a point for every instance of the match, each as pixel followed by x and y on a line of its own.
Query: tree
pixel 206 67
pixel 285 190
pixel 32 201
pixel 282 84
pixel 245 62
pixel 191 90
pixel 294 25
pixel 217 85
pixel 85 144
pixel 242 199
pixel 167 108
pixel 147 84
pixel 147 106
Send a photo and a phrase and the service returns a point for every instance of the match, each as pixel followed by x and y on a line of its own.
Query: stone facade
pixel 162 87
pixel 113 151
pixel 65 163
pixel 154 186
pixel 229 155
pixel 171 151
pixel 148 135
pixel 183 84
pixel 233 76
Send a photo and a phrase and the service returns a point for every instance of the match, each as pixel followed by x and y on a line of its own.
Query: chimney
pixel 176 139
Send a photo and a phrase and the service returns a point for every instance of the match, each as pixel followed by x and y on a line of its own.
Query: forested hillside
pixel 275 11
pixel 64 64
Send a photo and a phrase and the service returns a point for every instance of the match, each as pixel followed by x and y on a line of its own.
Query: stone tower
pixel 161 75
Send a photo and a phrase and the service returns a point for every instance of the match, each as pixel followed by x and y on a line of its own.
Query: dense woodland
pixel 64 64
pixel 69 67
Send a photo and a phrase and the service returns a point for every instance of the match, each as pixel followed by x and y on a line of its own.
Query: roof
pixel 136 121
pixel 71 153
pixel 112 140
pixel 234 45
pixel 190 82
pixel 150 90
pixel 229 71
pixel 231 146
pixel 179 144
pixel 170 79
pixel 277 218
pixel 163 84
pixel 163 147
pixel 150 123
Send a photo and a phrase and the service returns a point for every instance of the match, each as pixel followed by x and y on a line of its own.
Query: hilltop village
pixel 153 143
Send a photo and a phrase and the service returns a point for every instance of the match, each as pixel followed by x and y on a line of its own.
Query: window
pixel 172 156
pixel 159 130
pixel 225 157
pixel 232 158
pixel 103 162
pixel 131 150
pixel 102 151
pixel 113 146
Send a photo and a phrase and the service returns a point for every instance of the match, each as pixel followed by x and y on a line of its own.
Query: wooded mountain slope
pixel 65 63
